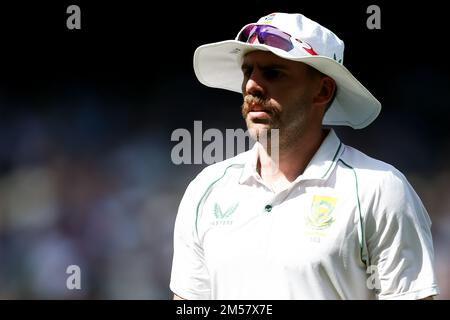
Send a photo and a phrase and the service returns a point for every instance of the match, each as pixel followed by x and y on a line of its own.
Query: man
pixel 329 222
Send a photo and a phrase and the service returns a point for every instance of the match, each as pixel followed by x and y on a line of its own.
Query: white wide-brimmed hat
pixel 218 65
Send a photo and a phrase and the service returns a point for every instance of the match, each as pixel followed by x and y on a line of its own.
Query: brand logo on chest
pixel 321 214
pixel 224 216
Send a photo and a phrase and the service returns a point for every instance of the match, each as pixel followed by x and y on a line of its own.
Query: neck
pixel 292 159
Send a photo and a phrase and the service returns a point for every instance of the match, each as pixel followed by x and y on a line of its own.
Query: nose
pixel 253 85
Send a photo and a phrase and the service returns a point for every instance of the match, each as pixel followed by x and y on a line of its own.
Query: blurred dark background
pixel 86 118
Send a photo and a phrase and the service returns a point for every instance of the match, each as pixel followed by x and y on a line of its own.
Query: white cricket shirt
pixel 349 227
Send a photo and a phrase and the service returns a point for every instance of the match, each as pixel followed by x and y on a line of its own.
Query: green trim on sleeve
pixel 363 239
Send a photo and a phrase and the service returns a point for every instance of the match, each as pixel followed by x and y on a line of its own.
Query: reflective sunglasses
pixel 267 35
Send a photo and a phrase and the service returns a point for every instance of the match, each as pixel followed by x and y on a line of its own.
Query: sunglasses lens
pixel 276 41
pixel 246 33
pixel 267 35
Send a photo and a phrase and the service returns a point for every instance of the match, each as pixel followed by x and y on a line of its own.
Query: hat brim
pixel 218 65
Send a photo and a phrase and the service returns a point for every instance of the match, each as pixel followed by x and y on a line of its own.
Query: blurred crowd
pixel 91 185
pixel 80 187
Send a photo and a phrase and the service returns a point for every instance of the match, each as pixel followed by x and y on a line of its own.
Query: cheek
pixel 244 85
pixel 295 108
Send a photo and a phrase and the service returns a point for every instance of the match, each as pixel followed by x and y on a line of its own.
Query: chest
pixel 245 226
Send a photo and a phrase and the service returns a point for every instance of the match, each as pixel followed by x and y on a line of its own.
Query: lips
pixel 258 116
pixel 253 107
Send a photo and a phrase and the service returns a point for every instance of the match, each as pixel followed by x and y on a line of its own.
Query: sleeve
pixel 189 277
pixel 399 241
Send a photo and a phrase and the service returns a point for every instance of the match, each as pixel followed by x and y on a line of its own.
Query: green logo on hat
pixel 268 19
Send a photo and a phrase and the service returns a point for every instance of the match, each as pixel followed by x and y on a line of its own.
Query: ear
pixel 327 87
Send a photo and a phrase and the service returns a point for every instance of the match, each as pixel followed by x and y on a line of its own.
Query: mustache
pixel 252 103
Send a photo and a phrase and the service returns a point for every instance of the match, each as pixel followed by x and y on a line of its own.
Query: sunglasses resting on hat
pixel 272 36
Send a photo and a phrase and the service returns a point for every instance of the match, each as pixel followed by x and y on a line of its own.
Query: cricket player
pixel 327 221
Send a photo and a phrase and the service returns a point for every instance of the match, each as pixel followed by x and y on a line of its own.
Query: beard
pixel 260 127
pixel 290 128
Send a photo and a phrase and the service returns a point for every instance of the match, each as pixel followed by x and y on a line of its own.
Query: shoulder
pixel 216 171
pixel 371 170
pixel 204 181
pixel 382 187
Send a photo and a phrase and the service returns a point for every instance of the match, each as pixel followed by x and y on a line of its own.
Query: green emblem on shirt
pixel 321 209
pixel 222 215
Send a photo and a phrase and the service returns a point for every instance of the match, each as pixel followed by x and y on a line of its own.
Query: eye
pixel 247 71
pixel 272 74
